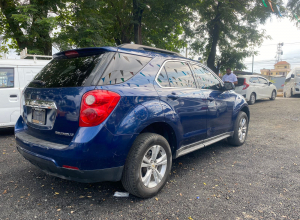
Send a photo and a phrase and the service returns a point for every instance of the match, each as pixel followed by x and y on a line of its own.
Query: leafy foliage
pixel 224 31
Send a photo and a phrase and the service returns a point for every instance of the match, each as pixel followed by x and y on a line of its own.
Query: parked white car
pixel 14 76
pixel 254 87
pixel 292 83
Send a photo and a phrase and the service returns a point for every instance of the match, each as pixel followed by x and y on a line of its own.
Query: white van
pixel 292 83
pixel 14 76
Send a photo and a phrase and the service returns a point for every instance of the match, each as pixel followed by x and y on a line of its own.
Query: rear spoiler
pixel 84 52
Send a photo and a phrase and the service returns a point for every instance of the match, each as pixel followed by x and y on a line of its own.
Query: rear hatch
pixel 239 87
pixel 52 100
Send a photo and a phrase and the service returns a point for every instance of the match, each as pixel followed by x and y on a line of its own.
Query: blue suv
pixel 123 113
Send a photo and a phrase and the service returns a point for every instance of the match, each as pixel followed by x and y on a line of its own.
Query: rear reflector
pixel 96 106
pixel 71 54
pixel 70 167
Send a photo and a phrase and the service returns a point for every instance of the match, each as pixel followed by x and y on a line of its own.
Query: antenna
pixel 279 52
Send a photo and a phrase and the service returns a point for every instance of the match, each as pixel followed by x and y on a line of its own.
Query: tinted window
pixel 163 78
pixel 254 80
pixel 241 81
pixel 205 78
pixel 180 75
pixel 122 67
pixel 263 81
pixel 6 77
pixel 70 72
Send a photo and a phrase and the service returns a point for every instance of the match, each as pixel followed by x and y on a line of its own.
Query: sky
pixel 282 30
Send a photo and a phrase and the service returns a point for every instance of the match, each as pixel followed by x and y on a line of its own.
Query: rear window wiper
pixel 39 82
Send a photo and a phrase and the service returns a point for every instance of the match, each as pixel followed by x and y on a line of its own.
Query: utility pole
pixel 252 63
pixel 279 52
pixel 186 51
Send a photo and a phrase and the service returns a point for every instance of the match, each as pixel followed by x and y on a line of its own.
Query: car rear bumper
pixel 49 166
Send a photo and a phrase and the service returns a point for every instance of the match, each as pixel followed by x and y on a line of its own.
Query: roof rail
pixel 23 55
pixel 147 48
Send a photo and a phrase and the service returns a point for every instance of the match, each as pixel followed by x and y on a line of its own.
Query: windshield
pixel 66 72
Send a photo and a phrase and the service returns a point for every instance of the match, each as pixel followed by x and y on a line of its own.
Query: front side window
pixel 180 75
pixel 122 67
pixel 263 81
pixel 205 78
pixel 6 77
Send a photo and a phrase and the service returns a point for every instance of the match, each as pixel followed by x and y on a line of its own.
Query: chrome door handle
pixel 173 96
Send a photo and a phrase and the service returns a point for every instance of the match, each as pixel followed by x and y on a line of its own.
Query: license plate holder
pixel 39 116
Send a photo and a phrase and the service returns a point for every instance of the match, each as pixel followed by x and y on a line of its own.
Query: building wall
pixel 280 70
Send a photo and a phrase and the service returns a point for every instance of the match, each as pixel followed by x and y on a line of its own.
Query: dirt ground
pixel 259 180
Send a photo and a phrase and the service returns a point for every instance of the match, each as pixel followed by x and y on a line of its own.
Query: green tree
pixel 294 7
pixel 83 24
pixel 149 22
pixel 226 30
pixel 29 23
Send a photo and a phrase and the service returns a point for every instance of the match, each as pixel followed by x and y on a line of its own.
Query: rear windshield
pixel 71 72
pixel 241 81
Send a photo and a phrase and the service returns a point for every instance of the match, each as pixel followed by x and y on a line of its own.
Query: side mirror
pixel 228 86
pixel 270 83
pixel 293 76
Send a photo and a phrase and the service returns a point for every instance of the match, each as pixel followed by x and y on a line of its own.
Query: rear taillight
pixel 96 106
pixel 245 85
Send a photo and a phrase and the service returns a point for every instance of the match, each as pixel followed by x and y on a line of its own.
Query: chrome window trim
pixel 174 60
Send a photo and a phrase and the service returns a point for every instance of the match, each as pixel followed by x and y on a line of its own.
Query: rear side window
pixel 6 77
pixel 240 81
pixel 66 72
pixel 123 67
pixel 163 78
pixel 180 75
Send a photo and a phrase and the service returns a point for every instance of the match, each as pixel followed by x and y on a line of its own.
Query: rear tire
pixel 273 95
pixel 252 99
pixel 240 130
pixel 147 166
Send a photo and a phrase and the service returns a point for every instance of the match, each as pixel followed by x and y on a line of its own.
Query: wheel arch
pixel 165 130
pixel 247 111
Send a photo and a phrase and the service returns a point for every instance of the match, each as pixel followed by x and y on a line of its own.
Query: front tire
pixel 273 95
pixel 252 98
pixel 240 130
pixel 147 166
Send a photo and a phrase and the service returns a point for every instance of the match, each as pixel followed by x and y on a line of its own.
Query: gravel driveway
pixel 259 180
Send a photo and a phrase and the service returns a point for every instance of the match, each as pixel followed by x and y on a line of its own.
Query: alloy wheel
pixel 154 166
pixel 242 129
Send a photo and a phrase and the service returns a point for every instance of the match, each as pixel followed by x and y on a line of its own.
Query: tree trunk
pixel 137 21
pixel 8 9
pixel 215 35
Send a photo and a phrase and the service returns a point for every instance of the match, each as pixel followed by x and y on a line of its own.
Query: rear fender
pixel 140 117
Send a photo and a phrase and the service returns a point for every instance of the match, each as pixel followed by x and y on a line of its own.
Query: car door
pixel 264 87
pixel 178 93
pixel 220 103
pixel 9 96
